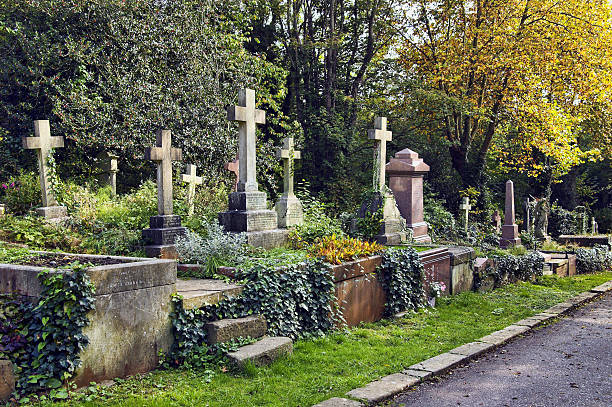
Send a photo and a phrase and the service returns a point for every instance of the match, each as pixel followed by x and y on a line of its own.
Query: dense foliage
pixel 337 249
pixel 402 275
pixel 510 268
pixel 593 260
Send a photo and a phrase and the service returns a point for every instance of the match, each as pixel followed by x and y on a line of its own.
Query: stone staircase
pixel 197 293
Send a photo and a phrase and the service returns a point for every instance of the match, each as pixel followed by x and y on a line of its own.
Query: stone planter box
pixel 130 323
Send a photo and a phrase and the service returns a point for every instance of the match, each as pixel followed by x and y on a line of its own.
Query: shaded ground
pixel 568 363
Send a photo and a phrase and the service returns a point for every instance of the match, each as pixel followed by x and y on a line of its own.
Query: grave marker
pixel 510 229
pixel 108 165
pixel 289 208
pixel 192 180
pixel 496 219
pixel 381 135
pixel 465 207
pixel 594 226
pixel 43 143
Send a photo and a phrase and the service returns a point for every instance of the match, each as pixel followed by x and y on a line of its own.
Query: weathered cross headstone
pixel 465 207
pixel 165 227
pixel 496 219
pixel 381 135
pixel 510 229
pixel 247 206
pixel 192 180
pixel 108 165
pixel 43 143
pixel 406 172
pixel 288 207
pixel 233 166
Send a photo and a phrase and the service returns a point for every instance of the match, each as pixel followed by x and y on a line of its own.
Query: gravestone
pixel 465 208
pixel 288 207
pixel 165 227
pixel 594 226
pixel 192 180
pixel 43 143
pixel 108 166
pixel 496 219
pixel 582 216
pixel 406 171
pixel 247 206
pixel 510 229
pixel 392 228
pixel 528 221
pixel 232 166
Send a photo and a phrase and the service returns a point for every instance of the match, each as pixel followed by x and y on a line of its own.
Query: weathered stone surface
pixel 163 154
pixel 419 374
pixel 197 293
pixel 338 402
pixel 227 329
pixel 164 221
pixel 192 180
pixel 436 263
pixel 602 288
pixel 586 240
pixel 263 352
pixel 268 239
pixel 52 212
pixel 248 221
pixel 472 349
pixel 529 322
pixel 247 201
pixel 439 364
pixel 384 388
pixel 559 308
pixel 288 207
pixel 7 380
pixel 360 299
pixel 461 254
pixel 504 335
pixel 509 229
pixel 167 251
pixel 162 237
pixel 462 274
pixel 289 211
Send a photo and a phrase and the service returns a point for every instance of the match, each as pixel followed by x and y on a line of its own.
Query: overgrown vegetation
pixel 402 277
pixel 337 250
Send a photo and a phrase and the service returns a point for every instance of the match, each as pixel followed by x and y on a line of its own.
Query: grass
pixel 332 365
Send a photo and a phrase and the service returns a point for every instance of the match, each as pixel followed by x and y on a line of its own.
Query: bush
pixel 402 274
pixel 524 268
pixel 21 193
pixel 337 250
pixel 593 260
pixel 317 224
pixel 563 222
pixel 442 225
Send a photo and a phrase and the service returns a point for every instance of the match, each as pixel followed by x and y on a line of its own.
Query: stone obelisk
pixel 510 228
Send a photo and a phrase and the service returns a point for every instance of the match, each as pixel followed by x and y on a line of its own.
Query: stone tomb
pixel 406 171
pixel 43 143
pixel 248 206
pixel 288 207
pixel 165 227
pixel 130 324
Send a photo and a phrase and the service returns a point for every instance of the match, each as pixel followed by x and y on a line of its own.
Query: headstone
pixel 108 165
pixel 393 226
pixel 465 208
pixel 583 220
pixel 288 207
pixel 510 229
pixel 165 227
pixel 406 171
pixel 233 166
pixel 594 226
pixel 192 180
pixel 247 206
pixel 496 219
pixel 528 227
pixel 43 143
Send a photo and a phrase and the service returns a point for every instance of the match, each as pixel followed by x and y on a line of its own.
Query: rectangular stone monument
pixel 406 171
pixel 192 180
pixel 108 165
pixel 43 143
pixel 465 208
pixel 288 207
pixel 510 228
pixel 248 206
pixel 165 227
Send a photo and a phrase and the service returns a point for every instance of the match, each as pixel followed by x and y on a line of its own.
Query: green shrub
pixel 21 193
pixel 523 267
pixel 593 260
pixel 563 222
pixel 317 224
pixel 402 275
pixel 441 223
pixel 36 233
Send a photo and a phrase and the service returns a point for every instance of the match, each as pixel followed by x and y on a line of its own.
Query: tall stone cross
pixel 233 166
pixel 288 154
pixel 42 142
pixel 192 179
pixel 247 117
pixel 465 207
pixel 163 154
pixel 381 135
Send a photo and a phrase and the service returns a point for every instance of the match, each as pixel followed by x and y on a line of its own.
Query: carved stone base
pixel 289 211
pixel 509 236
pixel 162 251
pixel 163 231
pixel 392 228
pixel 268 239
pixel 248 221
pixel 419 232
pixel 52 212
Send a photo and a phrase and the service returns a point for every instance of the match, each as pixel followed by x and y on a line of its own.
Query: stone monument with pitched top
pixel 288 207
pixel 44 144
pixel 406 172
pixel 165 227
pixel 393 226
pixel 510 228
pixel 248 206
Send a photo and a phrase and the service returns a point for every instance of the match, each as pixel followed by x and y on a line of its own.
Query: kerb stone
pixel 384 388
pixel 472 349
pixel 263 352
pixel 504 335
pixel 338 402
pixel 439 364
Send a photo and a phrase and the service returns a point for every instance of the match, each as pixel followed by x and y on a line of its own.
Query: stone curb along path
pixel 388 386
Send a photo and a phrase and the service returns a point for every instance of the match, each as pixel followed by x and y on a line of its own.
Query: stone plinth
pixel 289 211
pixel 130 324
pixel 52 212
pixel 392 228
pixel 161 236
pixel 510 229
pixel 406 171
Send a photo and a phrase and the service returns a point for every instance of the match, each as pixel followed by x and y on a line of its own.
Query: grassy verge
pixel 330 366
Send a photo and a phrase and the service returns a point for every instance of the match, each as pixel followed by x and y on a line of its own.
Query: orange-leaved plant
pixel 336 250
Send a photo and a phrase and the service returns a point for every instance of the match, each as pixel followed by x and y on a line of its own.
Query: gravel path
pixel 568 363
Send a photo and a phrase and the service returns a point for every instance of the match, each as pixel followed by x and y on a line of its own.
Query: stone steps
pixel 225 330
pixel 263 352
pixel 201 292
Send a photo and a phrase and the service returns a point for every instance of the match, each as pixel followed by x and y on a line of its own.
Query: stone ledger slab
pixel 462 270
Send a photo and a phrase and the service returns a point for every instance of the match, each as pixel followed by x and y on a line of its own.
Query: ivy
pixel 524 268
pixel 593 260
pixel 402 274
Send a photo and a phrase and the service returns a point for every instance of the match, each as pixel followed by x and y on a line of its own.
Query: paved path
pixel 568 363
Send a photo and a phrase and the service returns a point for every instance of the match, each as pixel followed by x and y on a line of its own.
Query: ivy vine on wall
pixel 402 274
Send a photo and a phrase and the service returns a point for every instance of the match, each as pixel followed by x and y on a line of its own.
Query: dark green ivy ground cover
pixel 332 365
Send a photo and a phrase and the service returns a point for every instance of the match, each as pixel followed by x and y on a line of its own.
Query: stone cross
pixel 192 179
pixel 381 135
pixel 465 207
pixel 247 117
pixel 42 142
pixel 288 154
pixel 233 166
pixel 163 154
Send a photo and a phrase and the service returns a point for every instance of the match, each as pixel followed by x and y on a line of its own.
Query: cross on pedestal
pixel 381 135
pixel 288 154
pixel 465 207
pixel 163 154
pixel 233 166
pixel 192 179
pixel 247 117
pixel 42 142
